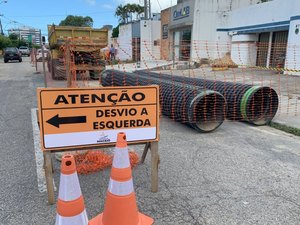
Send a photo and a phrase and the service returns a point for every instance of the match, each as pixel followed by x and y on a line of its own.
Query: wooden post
pixel 35 60
pixel 154 165
pixel 68 65
pixel 147 146
pixel 49 176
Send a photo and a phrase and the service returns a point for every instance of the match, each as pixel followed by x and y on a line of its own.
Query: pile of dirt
pixel 224 62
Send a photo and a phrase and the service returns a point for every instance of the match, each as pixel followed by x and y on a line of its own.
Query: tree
pixel 78 21
pixel 16 41
pixel 136 9
pixel 127 11
pixel 121 12
pixel 13 37
pixel 139 10
pixel 115 32
pixel 4 42
pixel 12 40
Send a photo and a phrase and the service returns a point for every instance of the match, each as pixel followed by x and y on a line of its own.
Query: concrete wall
pixel 268 12
pixel 150 33
pixel 270 16
pixel 208 16
pixel 165 48
pixel 292 61
pixel 124 47
pixel 136 29
pixel 244 49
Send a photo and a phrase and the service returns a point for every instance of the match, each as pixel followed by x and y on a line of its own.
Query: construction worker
pixel 107 53
pixel 112 52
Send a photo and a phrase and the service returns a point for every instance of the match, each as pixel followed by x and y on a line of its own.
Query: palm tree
pixel 139 10
pixel 121 12
pixel 126 11
pixel 136 9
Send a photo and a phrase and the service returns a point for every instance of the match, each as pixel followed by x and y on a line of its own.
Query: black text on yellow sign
pixel 73 118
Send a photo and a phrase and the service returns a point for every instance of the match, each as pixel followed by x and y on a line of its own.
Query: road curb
pixel 285 128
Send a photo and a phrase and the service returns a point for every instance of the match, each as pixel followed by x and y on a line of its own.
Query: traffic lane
pixel 215 178
pixel 20 203
pixel 15 70
pixel 238 174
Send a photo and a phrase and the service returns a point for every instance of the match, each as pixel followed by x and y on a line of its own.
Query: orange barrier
pixel 93 161
pixel 120 205
pixel 70 203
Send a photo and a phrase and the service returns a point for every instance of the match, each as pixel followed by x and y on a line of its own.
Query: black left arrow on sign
pixel 56 120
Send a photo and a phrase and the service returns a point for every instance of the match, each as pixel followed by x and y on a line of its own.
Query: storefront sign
pixel 165 30
pixel 181 13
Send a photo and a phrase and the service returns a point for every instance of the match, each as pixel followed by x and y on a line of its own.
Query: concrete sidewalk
pixel 142 65
pixel 289 111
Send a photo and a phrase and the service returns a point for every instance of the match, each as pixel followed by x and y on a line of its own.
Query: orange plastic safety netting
pixel 93 161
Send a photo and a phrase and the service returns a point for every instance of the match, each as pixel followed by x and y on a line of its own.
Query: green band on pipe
pixel 245 100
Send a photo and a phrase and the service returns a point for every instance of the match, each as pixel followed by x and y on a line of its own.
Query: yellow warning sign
pixel 88 117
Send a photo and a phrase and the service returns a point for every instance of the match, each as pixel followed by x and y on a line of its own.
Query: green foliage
pixel 22 42
pixel 78 21
pixel 12 41
pixel 36 46
pixel 115 32
pixel 121 13
pixel 13 37
pixel 4 42
pixel 125 12
pixel 285 128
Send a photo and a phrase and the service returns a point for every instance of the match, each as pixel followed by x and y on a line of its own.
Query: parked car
pixel 39 55
pixel 24 50
pixel 12 53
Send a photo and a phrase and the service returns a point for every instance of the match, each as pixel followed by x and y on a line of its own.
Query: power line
pixel 53 15
pixel 159 4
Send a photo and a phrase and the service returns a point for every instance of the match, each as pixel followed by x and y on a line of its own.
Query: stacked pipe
pixel 201 109
pixel 254 104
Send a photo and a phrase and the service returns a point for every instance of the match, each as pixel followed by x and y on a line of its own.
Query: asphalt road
pixel 239 174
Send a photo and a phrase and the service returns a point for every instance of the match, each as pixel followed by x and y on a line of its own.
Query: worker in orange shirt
pixel 107 53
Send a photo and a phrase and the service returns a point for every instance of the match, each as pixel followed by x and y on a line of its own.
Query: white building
pixel 139 40
pixel 272 30
pixel 255 33
pixel 27 34
pixel 192 27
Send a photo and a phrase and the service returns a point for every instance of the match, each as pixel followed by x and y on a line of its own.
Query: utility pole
pixel 147 5
pixel 1 29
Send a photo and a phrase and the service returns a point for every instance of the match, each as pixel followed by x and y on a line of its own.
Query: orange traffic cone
pixel 70 203
pixel 120 206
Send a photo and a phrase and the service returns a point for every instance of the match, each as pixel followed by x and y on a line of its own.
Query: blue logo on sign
pixel 181 13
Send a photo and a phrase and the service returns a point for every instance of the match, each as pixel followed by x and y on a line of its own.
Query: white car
pixel 24 50
pixel 39 55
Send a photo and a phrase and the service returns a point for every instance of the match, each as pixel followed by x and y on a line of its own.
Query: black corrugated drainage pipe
pixel 254 104
pixel 201 109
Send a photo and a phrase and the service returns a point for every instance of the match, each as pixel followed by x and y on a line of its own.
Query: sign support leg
pixel 147 146
pixel 49 177
pixel 154 166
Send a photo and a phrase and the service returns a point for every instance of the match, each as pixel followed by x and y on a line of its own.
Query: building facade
pixel 255 33
pixel 30 35
pixel 272 30
pixel 193 24
pixel 139 40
